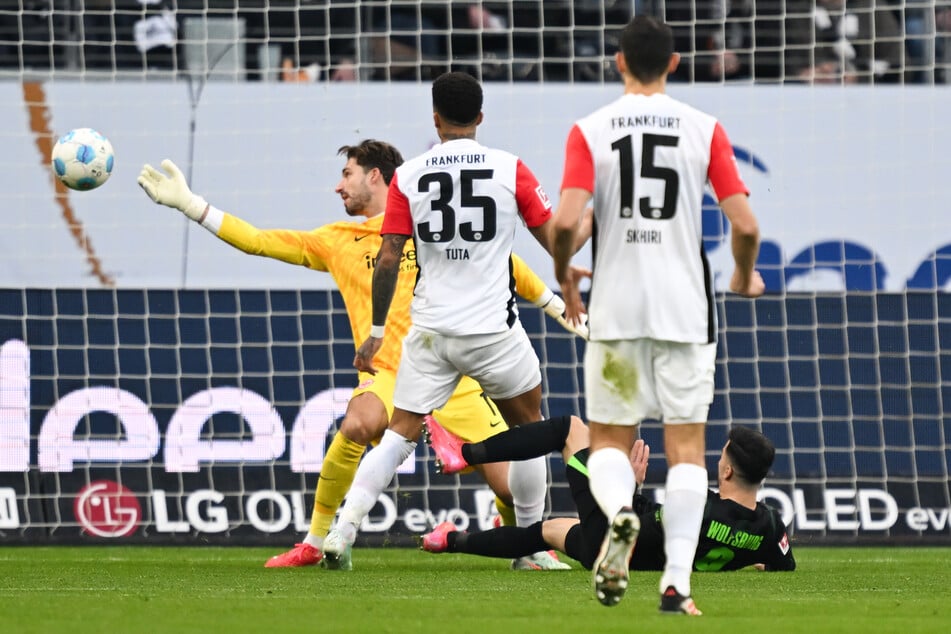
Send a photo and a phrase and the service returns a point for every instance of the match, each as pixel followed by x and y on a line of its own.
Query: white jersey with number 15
pixel 462 202
pixel 646 160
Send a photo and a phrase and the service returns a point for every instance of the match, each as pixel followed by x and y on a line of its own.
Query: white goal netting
pixel 156 384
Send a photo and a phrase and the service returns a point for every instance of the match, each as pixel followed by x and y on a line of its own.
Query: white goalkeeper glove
pixel 554 307
pixel 172 190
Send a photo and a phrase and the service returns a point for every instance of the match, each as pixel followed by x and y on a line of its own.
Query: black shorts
pixel 583 541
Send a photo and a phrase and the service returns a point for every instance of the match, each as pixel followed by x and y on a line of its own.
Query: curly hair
pixel 371 153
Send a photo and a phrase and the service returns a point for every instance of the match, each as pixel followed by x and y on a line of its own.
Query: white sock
pixel 684 500
pixel 376 470
pixel 316 541
pixel 611 479
pixel 528 482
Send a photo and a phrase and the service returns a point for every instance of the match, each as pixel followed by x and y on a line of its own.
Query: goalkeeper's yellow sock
pixel 506 512
pixel 336 476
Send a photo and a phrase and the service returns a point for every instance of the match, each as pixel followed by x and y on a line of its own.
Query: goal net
pixel 157 384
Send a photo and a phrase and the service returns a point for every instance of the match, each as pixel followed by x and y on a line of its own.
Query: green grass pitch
pixel 116 589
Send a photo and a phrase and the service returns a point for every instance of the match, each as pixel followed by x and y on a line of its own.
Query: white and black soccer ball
pixel 83 159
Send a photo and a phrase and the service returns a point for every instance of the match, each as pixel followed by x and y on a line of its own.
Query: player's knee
pixel 575 436
pixel 361 429
pixel 525 408
pixel 407 424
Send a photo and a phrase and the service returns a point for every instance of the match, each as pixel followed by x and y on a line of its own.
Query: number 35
pixel 468 198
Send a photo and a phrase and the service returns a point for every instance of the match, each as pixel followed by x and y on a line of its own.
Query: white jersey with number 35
pixel 646 160
pixel 462 202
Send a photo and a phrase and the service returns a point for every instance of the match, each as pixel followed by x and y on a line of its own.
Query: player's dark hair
pixel 647 45
pixel 457 98
pixel 751 454
pixel 371 153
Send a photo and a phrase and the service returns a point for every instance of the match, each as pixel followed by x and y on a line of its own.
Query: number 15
pixel 625 148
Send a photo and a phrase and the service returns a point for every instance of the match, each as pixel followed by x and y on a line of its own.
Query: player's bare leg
pixel 528 479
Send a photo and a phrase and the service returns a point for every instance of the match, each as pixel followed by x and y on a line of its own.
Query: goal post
pixel 157 385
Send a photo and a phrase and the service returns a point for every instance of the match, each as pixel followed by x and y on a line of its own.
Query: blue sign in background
pixel 849 387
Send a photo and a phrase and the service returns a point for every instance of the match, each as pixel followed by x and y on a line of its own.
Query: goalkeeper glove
pixel 172 190
pixel 554 307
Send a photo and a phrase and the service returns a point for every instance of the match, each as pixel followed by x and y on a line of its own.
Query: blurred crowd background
pixel 761 41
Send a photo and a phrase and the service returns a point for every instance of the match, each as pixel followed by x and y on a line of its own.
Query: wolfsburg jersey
pixel 732 536
pixel 646 160
pixel 348 250
pixel 462 202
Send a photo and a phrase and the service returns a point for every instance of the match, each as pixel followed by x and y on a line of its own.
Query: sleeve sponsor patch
pixel 784 544
pixel 543 197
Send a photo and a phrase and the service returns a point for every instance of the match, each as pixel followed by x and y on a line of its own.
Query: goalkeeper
pixel 346 250
pixel 736 532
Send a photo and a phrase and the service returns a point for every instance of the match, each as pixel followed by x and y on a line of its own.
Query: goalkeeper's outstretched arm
pixel 172 190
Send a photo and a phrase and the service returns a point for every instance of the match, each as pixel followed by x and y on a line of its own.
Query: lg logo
pixel 107 509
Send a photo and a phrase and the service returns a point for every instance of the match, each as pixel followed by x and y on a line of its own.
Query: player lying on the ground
pixel 737 531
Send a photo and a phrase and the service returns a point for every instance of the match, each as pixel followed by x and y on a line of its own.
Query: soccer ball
pixel 83 159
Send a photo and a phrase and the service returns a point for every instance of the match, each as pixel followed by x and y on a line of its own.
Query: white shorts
pixel 628 381
pixel 503 363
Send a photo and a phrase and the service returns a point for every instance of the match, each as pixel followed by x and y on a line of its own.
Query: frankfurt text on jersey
pixel 455 159
pixel 645 121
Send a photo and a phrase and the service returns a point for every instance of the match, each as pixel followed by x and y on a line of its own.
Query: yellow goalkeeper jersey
pixel 347 251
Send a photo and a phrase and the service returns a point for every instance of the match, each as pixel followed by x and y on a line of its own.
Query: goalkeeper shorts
pixel 469 414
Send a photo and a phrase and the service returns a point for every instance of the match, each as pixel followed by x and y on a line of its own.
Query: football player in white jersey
pixel 644 159
pixel 462 203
